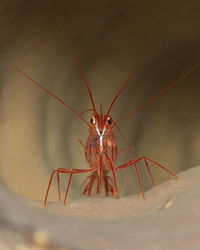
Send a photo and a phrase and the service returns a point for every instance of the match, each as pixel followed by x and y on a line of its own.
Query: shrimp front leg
pixel 112 168
pixel 64 171
pixel 146 161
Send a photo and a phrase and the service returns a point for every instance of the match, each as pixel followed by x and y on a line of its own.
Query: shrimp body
pixel 101 152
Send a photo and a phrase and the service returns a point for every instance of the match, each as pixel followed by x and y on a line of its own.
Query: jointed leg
pixel 99 172
pixel 113 172
pixel 88 187
pixel 146 159
pixel 123 149
pixel 108 186
pixel 98 189
pixel 139 179
pixel 64 171
pixel 58 180
pixel 131 162
pixel 54 171
pixel 152 181
pixel 69 182
pixel 86 179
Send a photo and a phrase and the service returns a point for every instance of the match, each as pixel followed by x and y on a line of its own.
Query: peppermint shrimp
pixel 101 149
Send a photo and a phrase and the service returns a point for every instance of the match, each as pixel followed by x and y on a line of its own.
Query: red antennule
pixel 73 52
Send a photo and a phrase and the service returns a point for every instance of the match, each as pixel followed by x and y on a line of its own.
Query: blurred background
pixel 38 134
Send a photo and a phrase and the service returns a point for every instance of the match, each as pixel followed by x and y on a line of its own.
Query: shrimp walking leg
pixel 58 180
pixel 146 161
pixel 64 171
pixel 113 172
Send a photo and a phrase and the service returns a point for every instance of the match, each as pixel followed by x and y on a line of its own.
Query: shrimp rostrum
pixel 101 150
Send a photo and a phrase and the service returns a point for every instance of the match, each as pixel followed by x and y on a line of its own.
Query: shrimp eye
pixel 109 120
pixel 92 120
